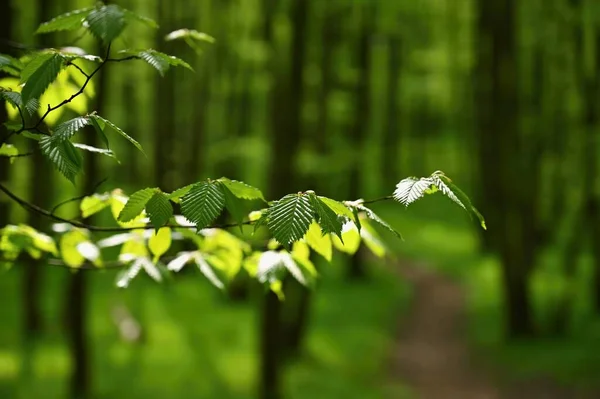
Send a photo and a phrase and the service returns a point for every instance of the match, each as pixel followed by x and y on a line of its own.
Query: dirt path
pixel 432 355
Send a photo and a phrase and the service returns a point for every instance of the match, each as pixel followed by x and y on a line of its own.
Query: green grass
pixel 198 344
pixel 442 237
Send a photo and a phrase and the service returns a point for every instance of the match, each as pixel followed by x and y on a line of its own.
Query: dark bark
pixel 5 36
pixel 392 133
pixel 165 133
pixel 509 161
pixel 286 127
pixel 358 130
pixel 270 342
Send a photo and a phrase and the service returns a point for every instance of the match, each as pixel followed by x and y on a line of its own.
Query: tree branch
pixel 44 212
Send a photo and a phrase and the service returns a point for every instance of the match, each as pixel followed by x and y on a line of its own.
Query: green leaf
pixel 180 192
pixel 106 22
pixel 234 205
pixel 100 122
pixel 159 210
pixel 208 271
pixel 319 243
pixel 67 129
pixel 327 218
pixel 160 242
pixel 411 189
pixel 242 190
pixel 351 238
pixel 68 248
pixel 69 21
pixel 96 150
pixel 136 204
pixel 189 33
pixel 10 65
pixel 132 16
pixel 98 126
pixel 372 240
pixel 9 150
pixel 14 98
pixel 337 207
pixel 93 204
pixel 374 217
pixel 451 190
pixel 63 154
pixel 39 74
pixel 159 61
pixel 290 217
pixel 203 204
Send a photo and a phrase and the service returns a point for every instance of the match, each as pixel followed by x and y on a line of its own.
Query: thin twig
pixel 79 197
pixel 25 154
pixel 79 69
pixel 44 212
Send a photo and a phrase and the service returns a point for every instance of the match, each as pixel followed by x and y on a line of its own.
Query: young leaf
pixel 106 22
pixel 14 98
pixel 336 206
pixel 159 210
pixel 98 126
pixel 159 61
pixel 63 155
pixel 351 238
pixel 242 190
pixel 189 33
pixel 203 203
pixel 160 242
pixel 93 204
pixel 96 150
pixel 69 21
pixel 207 270
pixel 234 205
pixel 179 261
pixel 374 217
pixel 411 189
pixel 8 150
pixel 10 65
pixel 132 16
pixel 68 248
pixel 39 74
pixel 124 278
pixel 67 129
pixel 100 121
pixel 452 191
pixel 372 240
pixel 136 204
pixel 319 243
pixel 327 218
pixel 290 217
pixel 180 192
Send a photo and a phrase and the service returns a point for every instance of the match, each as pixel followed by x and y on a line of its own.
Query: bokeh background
pixel 345 97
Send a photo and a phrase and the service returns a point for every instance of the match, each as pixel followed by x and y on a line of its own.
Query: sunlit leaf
pixel 69 21
pixel 203 204
pixel 136 204
pixel 290 218
pixel 160 242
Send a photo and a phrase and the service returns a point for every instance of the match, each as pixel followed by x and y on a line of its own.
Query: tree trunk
pixel 286 128
pixel 508 159
pixel 361 122
pixel 392 135
pixel 5 36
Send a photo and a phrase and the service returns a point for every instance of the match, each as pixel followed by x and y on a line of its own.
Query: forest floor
pixel 432 354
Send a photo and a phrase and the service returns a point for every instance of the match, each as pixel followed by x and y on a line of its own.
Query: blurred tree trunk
pixel 286 99
pixel 360 125
pixel 5 36
pixel 76 301
pixel 165 133
pixel 392 133
pixel 41 193
pixel 508 160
